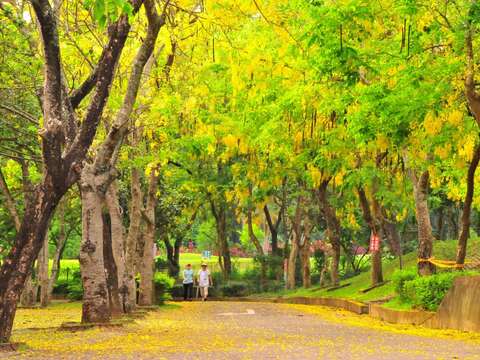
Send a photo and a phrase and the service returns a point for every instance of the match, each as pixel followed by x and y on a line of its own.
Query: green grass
pixel 196 260
pixel 444 250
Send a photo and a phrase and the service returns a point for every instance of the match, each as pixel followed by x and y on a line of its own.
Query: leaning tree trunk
pixel 467 210
pixel 18 264
pixel 425 238
pixel 147 265
pixel 43 273
pixel 333 229
pixel 95 306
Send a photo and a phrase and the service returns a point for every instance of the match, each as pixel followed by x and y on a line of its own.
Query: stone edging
pixel 412 317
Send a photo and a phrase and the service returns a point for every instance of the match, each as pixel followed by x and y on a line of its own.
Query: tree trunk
pixel 390 229
pixel 220 215
pixel 60 171
pixel 132 240
pixel 467 210
pixel 43 273
pixel 305 257
pixel 333 229
pixel 273 227
pixel 376 229
pixel 147 266
pixel 425 238
pixel 292 262
pixel 95 307
pixel 295 244
pixel 223 242
pixel 114 298
pixel 60 246
pixel 173 256
pixel 118 239
pixel 259 248
pixel 28 298
pixel 19 262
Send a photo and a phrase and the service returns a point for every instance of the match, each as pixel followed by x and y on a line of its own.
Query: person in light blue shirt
pixel 188 283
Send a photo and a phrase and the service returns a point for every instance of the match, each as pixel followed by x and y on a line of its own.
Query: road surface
pixel 233 330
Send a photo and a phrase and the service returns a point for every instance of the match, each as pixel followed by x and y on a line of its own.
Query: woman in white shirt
pixel 204 281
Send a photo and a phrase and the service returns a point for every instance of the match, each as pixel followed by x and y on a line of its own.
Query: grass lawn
pixel 196 260
pixel 187 258
pixel 444 250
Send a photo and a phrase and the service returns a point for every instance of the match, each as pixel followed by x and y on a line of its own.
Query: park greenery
pixel 305 143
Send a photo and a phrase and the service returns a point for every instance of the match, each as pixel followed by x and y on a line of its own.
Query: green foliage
pixel 318 260
pixel 425 292
pixel 161 263
pixel 399 278
pixel 75 287
pixel 235 288
pixel 163 286
pixel 107 11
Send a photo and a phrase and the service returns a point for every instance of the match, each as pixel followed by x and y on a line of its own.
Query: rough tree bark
pixel 467 209
pixel 100 175
pixel 375 228
pixel 333 228
pixel 60 171
pixel 147 265
pixel 95 306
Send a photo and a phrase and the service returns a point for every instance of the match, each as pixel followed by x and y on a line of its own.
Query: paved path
pixel 230 330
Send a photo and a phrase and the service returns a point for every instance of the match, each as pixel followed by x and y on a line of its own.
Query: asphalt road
pixel 231 330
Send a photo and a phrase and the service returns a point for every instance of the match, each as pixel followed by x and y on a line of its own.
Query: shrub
pixel 424 292
pixel 161 263
pixel 74 286
pixel 399 278
pixel 318 261
pixel 427 292
pixel 163 286
pixel 235 288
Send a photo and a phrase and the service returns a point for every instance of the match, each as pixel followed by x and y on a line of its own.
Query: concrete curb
pixel 412 317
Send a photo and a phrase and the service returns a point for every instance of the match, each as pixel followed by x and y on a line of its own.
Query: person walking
pixel 188 283
pixel 204 281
